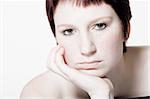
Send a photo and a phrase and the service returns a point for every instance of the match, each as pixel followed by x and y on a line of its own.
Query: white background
pixel 26 39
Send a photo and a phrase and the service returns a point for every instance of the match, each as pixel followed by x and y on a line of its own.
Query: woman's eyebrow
pixel 100 18
pixel 65 25
pixel 90 22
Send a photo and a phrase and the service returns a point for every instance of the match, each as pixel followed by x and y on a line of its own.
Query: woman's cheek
pixel 112 50
pixel 72 51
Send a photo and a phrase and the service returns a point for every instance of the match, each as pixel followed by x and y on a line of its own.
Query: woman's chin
pixel 99 73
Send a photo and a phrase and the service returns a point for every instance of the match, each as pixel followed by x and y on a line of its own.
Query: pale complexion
pixel 89 34
pixel 90 44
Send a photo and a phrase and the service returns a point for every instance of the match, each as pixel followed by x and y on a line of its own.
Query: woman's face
pixel 92 37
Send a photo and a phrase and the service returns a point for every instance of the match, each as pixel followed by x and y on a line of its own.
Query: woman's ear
pixel 126 36
pixel 128 32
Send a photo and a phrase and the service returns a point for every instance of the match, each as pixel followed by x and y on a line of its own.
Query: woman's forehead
pixel 83 3
pixel 67 12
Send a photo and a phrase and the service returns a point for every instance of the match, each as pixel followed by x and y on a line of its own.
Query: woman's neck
pixel 118 76
pixel 130 77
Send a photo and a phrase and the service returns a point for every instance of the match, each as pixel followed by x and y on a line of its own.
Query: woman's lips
pixel 88 65
pixel 85 68
pixel 91 62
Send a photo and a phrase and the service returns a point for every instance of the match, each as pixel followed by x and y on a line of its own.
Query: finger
pixel 51 56
pixel 93 83
pixel 74 75
pixel 61 64
pixel 51 64
pixel 68 71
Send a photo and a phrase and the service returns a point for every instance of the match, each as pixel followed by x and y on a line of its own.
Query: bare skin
pixel 50 85
pixel 88 62
pixel 95 86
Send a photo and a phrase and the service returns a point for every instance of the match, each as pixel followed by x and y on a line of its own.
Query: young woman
pixel 89 61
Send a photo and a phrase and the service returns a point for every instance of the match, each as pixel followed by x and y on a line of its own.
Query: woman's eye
pixel 68 32
pixel 100 26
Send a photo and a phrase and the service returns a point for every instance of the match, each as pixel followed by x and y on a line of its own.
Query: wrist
pixel 102 95
pixel 110 96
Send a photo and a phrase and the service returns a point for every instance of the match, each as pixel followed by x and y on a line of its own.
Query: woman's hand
pixel 95 86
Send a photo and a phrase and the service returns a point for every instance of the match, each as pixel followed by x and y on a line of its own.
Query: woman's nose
pixel 88 47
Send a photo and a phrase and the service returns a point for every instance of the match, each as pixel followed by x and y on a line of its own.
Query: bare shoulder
pixel 139 52
pixel 137 65
pixel 45 85
pixel 138 57
pixel 138 48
